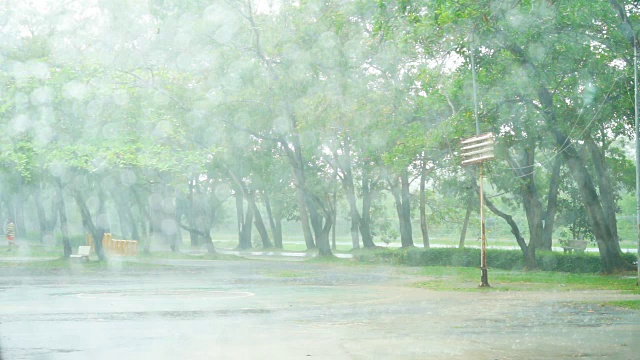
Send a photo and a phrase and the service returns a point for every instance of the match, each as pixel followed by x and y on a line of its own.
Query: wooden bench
pixel 83 252
pixel 578 246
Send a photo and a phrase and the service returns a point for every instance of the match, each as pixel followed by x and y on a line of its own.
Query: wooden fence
pixel 113 246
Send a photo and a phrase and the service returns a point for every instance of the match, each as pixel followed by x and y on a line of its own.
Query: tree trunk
pixel 365 219
pixel 96 232
pixel 206 218
pixel 128 223
pixel 247 227
pixel 149 237
pixel 304 219
pixel 423 203
pixel 133 226
pixel 609 251
pixel 324 247
pixel 395 191
pixel 102 218
pixel 465 224
pixel 610 255
pixel 278 231
pixel 155 235
pixel 508 218
pixel 314 218
pixel 294 156
pixel 193 236
pixel 532 206
pixel 406 208
pixel 552 205
pixel 403 209
pixel 354 215
pixel 46 226
pixel 201 222
pixel 259 223
pixel 205 234
pixel 344 163
pixel 62 213
pixel 533 211
pixel 334 199
pixel 250 195
pixel 322 224
pixel 123 214
pixel 18 212
pixel 162 212
pixel 42 220
pixel 274 223
pixel 145 221
pixel 169 224
pixel 606 190
pixel 208 242
pixel 240 219
pixel 177 238
pixel 301 181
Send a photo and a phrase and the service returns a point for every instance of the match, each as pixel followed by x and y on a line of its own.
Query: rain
pixel 335 179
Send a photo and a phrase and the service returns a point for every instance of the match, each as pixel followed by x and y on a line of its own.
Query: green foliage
pixel 572 220
pixel 499 259
pixel 175 91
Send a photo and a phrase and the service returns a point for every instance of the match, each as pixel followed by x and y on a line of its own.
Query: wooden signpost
pixel 477 150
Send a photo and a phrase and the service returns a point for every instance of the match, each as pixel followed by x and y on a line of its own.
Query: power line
pixel 566 143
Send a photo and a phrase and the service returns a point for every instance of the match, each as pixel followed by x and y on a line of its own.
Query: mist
pixel 189 135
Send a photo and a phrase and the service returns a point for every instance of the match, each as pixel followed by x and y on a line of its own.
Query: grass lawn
pixel 170 255
pixel 466 279
pixel 627 304
pixel 287 246
pixel 35 251
pixel 437 278
pixel 76 265
pixel 343 243
pixel 42 263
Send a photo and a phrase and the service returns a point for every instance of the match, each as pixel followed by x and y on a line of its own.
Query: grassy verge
pixel 76 265
pixel 501 259
pixel 289 274
pixel 33 264
pixel 467 279
pixel 170 255
pixel 330 260
pixel 626 304
pixel 286 247
pixel 35 251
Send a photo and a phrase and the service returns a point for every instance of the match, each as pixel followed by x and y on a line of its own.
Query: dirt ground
pixel 291 310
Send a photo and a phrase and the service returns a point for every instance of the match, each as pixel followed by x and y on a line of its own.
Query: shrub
pixel 499 259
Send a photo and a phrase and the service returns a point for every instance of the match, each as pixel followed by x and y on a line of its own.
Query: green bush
pixel 499 259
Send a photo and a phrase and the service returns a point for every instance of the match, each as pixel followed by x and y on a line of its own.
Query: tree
pixel 536 68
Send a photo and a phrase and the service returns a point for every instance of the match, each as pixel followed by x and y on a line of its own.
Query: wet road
pixel 290 310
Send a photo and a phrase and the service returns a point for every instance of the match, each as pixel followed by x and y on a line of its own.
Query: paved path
pixel 199 309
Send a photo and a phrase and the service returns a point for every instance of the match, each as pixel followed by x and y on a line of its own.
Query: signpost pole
pixel 484 277
pixel 637 135
pixel 477 150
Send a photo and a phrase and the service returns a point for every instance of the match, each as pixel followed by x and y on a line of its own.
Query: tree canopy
pixel 165 109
